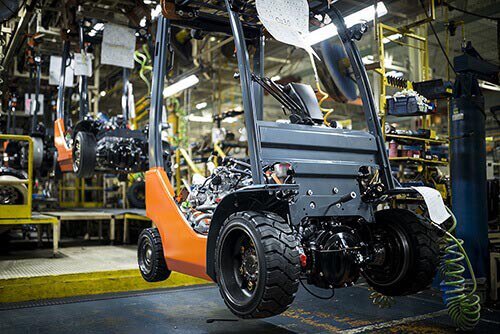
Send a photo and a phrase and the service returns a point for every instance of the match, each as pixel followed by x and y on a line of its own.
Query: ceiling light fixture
pixel 329 31
pixel 180 85
pixel 201 105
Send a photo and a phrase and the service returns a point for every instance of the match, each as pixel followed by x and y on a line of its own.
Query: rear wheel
pixel 150 256
pixel 257 264
pixel 136 195
pixel 84 155
pixel 408 253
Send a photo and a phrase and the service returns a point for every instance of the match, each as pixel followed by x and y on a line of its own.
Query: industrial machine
pixel 468 153
pixel 303 207
pixel 97 144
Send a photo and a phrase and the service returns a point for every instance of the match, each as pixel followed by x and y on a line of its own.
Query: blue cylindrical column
pixel 468 170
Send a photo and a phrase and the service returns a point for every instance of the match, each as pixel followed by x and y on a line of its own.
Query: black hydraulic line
pixel 84 98
pixel 62 77
pixel 276 87
pixel 450 6
pixel 438 39
pixel 9 117
pixel 38 79
pixel 371 114
pixel 125 102
pixel 248 95
pixel 276 94
pixel 258 68
pixel 14 121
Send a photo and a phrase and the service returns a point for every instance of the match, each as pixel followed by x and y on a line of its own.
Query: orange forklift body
pixel 64 152
pixel 183 248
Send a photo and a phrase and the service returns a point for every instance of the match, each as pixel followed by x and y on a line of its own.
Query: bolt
pixel 312 205
pixel 335 190
pixel 309 192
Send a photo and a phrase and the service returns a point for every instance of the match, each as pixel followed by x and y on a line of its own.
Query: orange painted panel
pixel 184 249
pixel 64 153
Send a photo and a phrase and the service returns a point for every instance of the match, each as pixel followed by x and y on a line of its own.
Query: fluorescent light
pixel 201 105
pixel 200 119
pixel 330 30
pixel 489 86
pixel 99 26
pixel 155 12
pixel 230 120
pixel 391 38
pixel 276 78
pixel 394 74
pixel 181 85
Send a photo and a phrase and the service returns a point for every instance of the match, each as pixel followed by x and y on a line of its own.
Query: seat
pixel 304 95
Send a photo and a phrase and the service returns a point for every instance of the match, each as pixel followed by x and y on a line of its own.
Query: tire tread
pixel 282 263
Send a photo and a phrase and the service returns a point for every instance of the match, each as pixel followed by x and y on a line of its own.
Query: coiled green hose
pixel 380 300
pixel 144 59
pixel 463 306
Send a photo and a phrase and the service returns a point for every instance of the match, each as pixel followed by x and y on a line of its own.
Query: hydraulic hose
pixel 463 306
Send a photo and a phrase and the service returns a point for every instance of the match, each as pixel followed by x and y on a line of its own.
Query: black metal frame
pixel 38 78
pixel 62 77
pixel 252 92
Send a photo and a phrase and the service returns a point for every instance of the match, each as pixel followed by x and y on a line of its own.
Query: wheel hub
pixel 77 154
pixel 249 265
pixel 8 195
pixel 146 261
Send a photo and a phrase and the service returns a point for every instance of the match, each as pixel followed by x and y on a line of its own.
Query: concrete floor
pixel 189 310
pixel 71 260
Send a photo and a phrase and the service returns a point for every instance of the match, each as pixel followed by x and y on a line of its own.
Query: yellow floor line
pixel 60 286
pixel 394 323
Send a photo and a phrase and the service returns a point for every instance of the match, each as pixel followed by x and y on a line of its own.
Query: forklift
pixel 304 208
pixel 97 144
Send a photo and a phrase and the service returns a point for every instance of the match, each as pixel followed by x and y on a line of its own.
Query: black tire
pixel 84 155
pixel 136 195
pixel 411 255
pixel 272 275
pixel 150 257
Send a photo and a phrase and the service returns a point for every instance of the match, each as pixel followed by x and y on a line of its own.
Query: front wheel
pixel 257 264
pixel 150 256
pixel 408 253
pixel 84 155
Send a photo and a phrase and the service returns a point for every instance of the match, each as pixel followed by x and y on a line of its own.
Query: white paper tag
pixel 287 21
pixel 83 64
pixel 118 46
pixel 30 104
pixel 55 72
pixel 435 204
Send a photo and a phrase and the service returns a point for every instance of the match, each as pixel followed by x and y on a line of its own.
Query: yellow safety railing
pixel 19 210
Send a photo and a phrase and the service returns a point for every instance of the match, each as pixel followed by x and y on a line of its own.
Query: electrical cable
pixel 315 295
pixel 437 38
pixel 463 307
pixel 471 13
